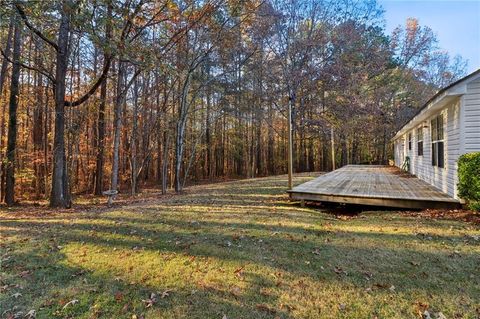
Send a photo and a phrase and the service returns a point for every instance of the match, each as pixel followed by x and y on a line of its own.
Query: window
pixel 420 141
pixel 409 141
pixel 437 141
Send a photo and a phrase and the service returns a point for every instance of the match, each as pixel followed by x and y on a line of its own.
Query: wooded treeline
pixel 114 94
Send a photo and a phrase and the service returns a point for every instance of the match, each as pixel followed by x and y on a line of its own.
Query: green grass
pixel 236 250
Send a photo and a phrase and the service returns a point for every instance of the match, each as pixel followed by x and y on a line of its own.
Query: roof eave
pixel 433 107
pixel 453 90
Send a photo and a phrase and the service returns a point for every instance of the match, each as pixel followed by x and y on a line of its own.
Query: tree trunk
pixel 3 76
pixel 99 161
pixel 117 124
pixel 181 123
pixel 38 134
pixel 343 154
pixel 133 143
pixel 208 150
pixel 3 70
pixel 166 142
pixel 12 114
pixel 60 194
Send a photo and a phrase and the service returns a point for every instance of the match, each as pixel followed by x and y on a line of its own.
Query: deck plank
pixel 373 183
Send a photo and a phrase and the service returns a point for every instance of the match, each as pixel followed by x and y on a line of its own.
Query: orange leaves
pixel 118 296
pixel 412 28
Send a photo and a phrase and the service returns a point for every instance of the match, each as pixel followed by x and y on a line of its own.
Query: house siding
pixel 472 118
pixel 444 178
pixel 461 128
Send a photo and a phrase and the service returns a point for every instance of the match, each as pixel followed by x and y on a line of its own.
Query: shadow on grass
pixel 234 226
pixel 57 290
pixel 389 257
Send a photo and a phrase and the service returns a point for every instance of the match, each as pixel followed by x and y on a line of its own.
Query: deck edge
pixel 371 201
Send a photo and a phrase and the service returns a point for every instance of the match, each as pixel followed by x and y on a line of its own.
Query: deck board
pixel 373 185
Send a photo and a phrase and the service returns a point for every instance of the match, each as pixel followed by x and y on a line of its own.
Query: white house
pixel 447 126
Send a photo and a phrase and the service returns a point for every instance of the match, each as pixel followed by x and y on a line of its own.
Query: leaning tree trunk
pixel 60 194
pixel 12 115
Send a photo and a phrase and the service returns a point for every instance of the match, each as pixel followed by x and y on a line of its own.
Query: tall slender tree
pixel 12 114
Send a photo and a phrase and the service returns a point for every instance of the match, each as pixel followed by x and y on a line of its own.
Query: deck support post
pixel 332 139
pixel 290 146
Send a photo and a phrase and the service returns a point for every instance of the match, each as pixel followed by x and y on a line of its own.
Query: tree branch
pixel 28 67
pixel 22 14
pixel 94 87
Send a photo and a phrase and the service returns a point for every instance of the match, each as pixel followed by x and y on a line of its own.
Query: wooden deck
pixel 373 185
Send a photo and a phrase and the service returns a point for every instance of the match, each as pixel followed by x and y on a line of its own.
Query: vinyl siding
pixel 461 135
pixel 472 118
pixel 445 178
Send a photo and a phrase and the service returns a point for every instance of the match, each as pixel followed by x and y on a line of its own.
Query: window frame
pixel 420 141
pixel 410 139
pixel 438 140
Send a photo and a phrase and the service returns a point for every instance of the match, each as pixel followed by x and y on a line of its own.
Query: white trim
pixel 462 127
pixel 428 112
pixel 457 90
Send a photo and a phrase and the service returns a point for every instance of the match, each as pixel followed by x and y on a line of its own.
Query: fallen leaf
pixel 236 291
pixel 71 302
pixel 150 301
pixel 287 307
pixel 166 293
pixel 118 296
pixel 239 271
pixel 339 271
pixel 440 315
pixel 426 315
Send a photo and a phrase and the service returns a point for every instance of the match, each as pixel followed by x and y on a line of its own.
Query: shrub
pixel 469 179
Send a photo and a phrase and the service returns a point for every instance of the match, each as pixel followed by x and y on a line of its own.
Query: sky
pixel 456 23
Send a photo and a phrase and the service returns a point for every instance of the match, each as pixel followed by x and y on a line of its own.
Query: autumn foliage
pixel 114 95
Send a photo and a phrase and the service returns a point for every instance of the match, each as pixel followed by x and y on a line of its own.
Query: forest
pixel 117 95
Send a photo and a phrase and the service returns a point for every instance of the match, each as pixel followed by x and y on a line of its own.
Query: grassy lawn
pixel 236 250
